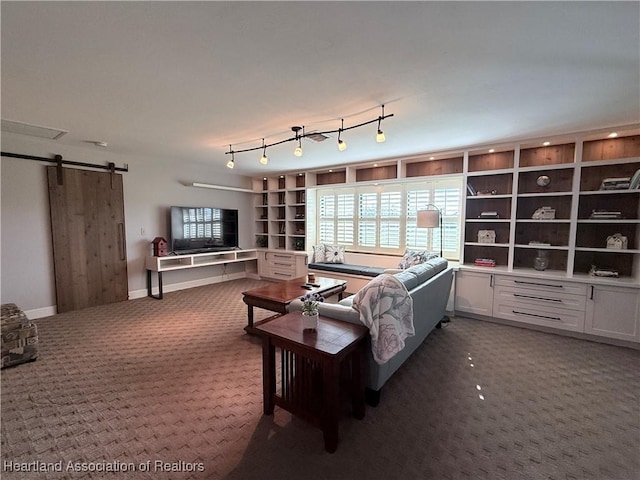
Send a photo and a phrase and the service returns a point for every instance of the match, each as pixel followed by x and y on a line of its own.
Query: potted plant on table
pixel 310 305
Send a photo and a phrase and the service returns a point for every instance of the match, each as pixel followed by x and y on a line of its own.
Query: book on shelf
pixel 604 215
pixel 620 183
pixel 484 262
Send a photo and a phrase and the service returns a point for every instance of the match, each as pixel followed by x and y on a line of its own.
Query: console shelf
pixel 180 262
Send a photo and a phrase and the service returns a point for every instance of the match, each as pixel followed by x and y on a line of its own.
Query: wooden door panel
pixel 87 224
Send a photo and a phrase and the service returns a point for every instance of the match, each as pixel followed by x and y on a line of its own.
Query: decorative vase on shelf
pixel 541 262
pixel 310 321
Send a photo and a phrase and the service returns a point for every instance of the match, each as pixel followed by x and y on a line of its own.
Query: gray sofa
pixel 429 285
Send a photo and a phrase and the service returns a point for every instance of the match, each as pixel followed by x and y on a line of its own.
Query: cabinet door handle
pixel 557 319
pixel 491 281
pixel 538 298
pixel 538 284
pixel 591 296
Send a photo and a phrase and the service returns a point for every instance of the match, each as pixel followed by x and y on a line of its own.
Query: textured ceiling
pixel 184 80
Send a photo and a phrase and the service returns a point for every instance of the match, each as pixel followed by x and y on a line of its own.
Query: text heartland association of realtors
pixel 113 466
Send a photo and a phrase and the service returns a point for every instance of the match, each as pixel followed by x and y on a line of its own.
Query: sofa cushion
pixel 425 271
pixel 347 268
pixel 409 280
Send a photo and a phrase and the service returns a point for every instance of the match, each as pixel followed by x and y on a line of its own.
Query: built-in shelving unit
pixel 513 182
pixel 566 178
pixel 280 210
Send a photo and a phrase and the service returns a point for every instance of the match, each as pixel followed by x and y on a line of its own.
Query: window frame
pixel 451 208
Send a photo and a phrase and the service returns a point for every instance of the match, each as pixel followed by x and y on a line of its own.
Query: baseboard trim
pixel 134 294
pixel 41 312
pixel 174 287
pixel 567 333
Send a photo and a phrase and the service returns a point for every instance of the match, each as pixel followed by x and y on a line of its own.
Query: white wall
pixel 150 186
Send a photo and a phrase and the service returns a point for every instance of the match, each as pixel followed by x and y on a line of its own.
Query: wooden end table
pixel 313 364
pixel 277 296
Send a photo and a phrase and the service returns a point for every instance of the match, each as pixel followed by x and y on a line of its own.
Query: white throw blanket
pixel 386 308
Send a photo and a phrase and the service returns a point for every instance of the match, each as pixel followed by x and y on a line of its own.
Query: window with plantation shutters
pixel 446 195
pixel 390 218
pixel 336 218
pixel 367 219
pixel 383 218
pixel 344 218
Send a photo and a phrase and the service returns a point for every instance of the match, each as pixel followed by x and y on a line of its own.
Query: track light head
pixel 264 159
pixel 380 135
pixel 342 145
pixel 298 151
pixel 231 163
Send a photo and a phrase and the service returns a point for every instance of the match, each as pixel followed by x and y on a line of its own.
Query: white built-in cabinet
pixel 282 265
pixel 474 292
pixel 613 312
pixel 602 309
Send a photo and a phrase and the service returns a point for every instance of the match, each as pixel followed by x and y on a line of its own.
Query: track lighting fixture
pixel 380 135
pixel 231 163
pixel 342 145
pixel 264 159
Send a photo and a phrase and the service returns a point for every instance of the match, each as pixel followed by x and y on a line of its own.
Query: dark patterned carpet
pixel 175 386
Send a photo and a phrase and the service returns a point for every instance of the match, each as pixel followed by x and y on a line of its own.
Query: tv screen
pixel 203 229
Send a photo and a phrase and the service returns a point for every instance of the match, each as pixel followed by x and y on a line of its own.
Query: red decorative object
pixel 160 247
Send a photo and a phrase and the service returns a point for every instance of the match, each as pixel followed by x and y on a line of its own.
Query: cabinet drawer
pixel 544 315
pixel 281 274
pixel 281 257
pixel 535 298
pixel 541 285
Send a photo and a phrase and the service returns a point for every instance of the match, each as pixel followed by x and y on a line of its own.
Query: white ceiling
pixel 184 80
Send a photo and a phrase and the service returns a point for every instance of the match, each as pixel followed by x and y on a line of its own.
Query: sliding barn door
pixel 89 250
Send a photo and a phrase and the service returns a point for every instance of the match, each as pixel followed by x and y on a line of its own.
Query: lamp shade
pixel 428 219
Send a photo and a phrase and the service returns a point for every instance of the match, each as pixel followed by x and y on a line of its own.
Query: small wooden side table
pixel 313 367
pixel 277 296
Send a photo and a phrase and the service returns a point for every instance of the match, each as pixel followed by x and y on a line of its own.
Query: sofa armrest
pixel 392 271
pixel 332 310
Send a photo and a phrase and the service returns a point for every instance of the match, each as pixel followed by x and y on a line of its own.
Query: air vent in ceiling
pixel 32 130
pixel 316 136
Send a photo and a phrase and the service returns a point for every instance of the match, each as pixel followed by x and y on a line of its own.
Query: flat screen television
pixel 203 229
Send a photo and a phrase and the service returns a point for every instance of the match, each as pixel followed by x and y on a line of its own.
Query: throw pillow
pixel 415 257
pixel 334 254
pixel 319 253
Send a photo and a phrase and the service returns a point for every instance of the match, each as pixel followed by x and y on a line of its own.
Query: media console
pixel 180 262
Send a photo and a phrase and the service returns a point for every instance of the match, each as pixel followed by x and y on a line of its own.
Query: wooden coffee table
pixel 313 365
pixel 277 296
